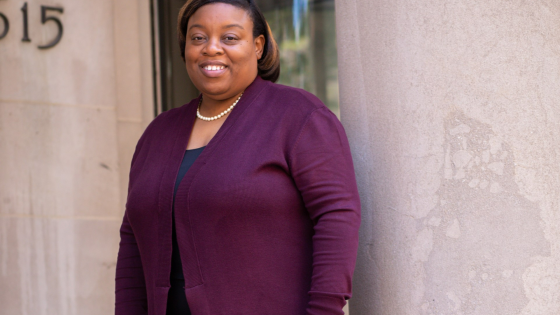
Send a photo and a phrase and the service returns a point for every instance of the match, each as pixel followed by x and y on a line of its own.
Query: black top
pixel 188 160
pixel 176 300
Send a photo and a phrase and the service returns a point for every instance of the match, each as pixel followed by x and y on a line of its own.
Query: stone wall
pixel 70 117
pixel 453 113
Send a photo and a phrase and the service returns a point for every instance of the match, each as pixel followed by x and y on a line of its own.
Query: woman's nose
pixel 213 47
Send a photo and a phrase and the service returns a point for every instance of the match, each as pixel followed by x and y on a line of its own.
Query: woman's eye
pixel 230 38
pixel 197 38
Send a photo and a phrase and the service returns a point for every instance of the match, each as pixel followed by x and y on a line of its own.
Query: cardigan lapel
pixel 250 94
pixel 181 132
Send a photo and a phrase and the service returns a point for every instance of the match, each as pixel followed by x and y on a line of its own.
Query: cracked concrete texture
pixel 453 113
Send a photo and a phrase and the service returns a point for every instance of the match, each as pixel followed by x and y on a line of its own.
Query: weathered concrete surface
pixel 69 119
pixel 453 113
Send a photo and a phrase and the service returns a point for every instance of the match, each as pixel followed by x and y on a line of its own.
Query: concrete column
pixel 69 119
pixel 453 113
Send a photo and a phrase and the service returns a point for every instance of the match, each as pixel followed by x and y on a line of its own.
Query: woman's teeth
pixel 214 68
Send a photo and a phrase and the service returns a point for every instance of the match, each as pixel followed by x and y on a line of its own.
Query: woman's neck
pixel 211 106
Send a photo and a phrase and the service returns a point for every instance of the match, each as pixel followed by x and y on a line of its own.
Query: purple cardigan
pixel 267 217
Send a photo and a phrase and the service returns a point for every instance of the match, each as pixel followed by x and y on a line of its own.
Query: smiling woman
pixel 223 50
pixel 244 200
pixel 221 53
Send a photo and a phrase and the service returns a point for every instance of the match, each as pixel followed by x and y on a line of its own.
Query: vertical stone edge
pixel 353 113
pixel 133 69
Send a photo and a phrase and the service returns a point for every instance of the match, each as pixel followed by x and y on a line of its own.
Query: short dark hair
pixel 268 64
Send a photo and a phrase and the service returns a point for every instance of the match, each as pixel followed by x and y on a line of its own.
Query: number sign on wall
pixel 5 23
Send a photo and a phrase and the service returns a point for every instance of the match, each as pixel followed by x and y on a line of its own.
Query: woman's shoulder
pixel 164 123
pixel 292 96
pixel 167 120
pixel 293 103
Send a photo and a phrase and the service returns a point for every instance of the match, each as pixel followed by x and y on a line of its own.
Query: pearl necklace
pixel 220 115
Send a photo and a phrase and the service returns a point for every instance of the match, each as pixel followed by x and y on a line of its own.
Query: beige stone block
pixel 129 134
pixel 79 70
pixel 127 56
pixel 57 266
pixel 58 161
pixel 133 60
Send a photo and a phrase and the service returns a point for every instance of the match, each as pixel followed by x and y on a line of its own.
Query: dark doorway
pixel 176 88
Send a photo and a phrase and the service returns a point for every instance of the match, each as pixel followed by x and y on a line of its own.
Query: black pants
pixel 176 300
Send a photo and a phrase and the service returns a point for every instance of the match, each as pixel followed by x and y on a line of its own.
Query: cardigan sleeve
pixel 321 165
pixel 130 287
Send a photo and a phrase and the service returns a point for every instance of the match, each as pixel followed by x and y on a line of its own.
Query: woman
pixel 265 220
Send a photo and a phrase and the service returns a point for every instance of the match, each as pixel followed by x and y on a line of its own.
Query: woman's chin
pixel 218 90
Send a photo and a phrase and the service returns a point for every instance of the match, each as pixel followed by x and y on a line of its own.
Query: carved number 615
pixel 44 19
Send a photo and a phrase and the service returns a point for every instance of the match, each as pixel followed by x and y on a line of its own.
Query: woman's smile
pixel 213 69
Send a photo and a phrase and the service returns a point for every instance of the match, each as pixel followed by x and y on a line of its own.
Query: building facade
pixel 451 107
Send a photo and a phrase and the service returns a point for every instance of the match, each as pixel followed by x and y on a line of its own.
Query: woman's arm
pixel 322 169
pixel 130 286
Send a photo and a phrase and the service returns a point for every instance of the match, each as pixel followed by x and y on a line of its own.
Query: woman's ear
pixel 259 46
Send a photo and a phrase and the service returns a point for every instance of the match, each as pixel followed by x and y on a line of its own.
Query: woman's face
pixel 220 52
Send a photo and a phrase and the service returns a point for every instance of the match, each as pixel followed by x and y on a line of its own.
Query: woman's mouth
pixel 213 70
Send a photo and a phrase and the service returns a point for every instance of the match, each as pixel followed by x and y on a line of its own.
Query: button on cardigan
pixel 267 217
